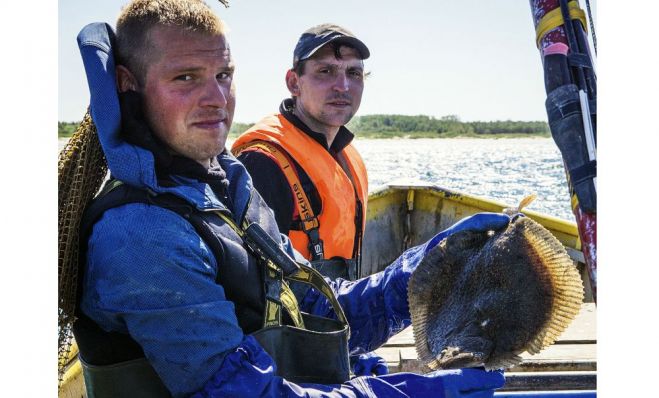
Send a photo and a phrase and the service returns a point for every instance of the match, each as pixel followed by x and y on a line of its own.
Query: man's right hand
pixel 454 383
pixel 250 371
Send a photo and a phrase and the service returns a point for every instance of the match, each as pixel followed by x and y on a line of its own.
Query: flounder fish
pixel 481 299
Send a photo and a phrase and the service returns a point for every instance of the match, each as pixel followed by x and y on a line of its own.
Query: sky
pixel 472 58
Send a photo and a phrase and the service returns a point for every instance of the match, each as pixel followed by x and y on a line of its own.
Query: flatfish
pixel 481 299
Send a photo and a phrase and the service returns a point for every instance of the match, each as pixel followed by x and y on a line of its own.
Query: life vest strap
pixel 278 293
pixel 314 278
pixel 308 221
pixel 357 248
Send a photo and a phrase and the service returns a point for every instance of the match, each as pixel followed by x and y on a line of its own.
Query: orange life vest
pixel 338 195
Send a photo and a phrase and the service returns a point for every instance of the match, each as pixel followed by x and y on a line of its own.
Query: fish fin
pixel 567 286
pixel 504 362
pixel 420 297
pixel 522 204
pixel 433 364
pixel 527 200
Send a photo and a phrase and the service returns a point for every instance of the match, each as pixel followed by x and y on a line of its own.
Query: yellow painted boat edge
pixel 549 222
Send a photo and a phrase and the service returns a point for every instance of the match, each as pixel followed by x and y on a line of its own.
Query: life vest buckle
pixel 316 247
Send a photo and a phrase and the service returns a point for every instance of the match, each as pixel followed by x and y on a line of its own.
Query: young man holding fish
pixel 185 264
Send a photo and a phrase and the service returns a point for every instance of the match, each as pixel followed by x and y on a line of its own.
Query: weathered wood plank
pixel 564 352
pixel 390 354
pixel 563 358
pixel 583 328
pixel 576 350
pixel 547 394
pixel 576 365
pixel 552 381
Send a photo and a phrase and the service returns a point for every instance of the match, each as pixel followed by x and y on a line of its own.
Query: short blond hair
pixel 138 17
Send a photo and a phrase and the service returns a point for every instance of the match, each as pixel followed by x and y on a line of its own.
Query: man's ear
pixel 125 79
pixel 293 83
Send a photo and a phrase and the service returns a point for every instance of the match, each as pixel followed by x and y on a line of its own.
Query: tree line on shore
pixel 420 126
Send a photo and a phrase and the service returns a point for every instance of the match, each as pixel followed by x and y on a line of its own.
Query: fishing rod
pixel 571 86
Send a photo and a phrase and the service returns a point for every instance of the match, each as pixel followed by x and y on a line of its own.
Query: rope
pixel 592 25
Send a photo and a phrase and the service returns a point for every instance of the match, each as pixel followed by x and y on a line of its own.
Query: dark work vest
pixel 235 266
pixel 240 274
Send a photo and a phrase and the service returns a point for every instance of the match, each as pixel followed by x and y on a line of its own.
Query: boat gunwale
pixel 550 222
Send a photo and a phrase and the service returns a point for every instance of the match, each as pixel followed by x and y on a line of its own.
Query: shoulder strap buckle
pixel 316 247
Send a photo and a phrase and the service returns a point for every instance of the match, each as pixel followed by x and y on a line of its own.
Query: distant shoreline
pixel 409 127
pixel 405 136
pixel 434 136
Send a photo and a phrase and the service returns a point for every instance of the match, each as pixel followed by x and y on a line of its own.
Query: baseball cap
pixel 316 37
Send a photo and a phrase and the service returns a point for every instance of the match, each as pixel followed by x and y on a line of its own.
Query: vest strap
pixel 312 277
pixel 359 235
pixel 277 268
pixel 308 220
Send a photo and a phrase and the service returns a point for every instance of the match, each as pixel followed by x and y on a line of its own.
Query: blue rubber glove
pixel 369 364
pixel 479 222
pixel 250 372
pixel 454 383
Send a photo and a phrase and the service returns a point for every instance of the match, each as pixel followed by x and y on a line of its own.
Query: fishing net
pixel 81 171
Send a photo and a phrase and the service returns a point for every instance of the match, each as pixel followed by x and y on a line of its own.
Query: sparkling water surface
pixel 502 169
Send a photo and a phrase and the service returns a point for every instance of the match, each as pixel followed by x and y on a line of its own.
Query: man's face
pixel 189 92
pixel 329 92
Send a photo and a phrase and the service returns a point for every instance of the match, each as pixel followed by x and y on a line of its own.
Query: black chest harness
pixel 255 274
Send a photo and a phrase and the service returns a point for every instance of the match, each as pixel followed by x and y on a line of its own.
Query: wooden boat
pixel 407 214
pixel 403 215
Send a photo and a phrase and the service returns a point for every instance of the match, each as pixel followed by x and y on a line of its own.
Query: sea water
pixel 502 169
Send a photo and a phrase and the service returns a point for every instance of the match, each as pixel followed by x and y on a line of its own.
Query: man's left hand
pixel 370 364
